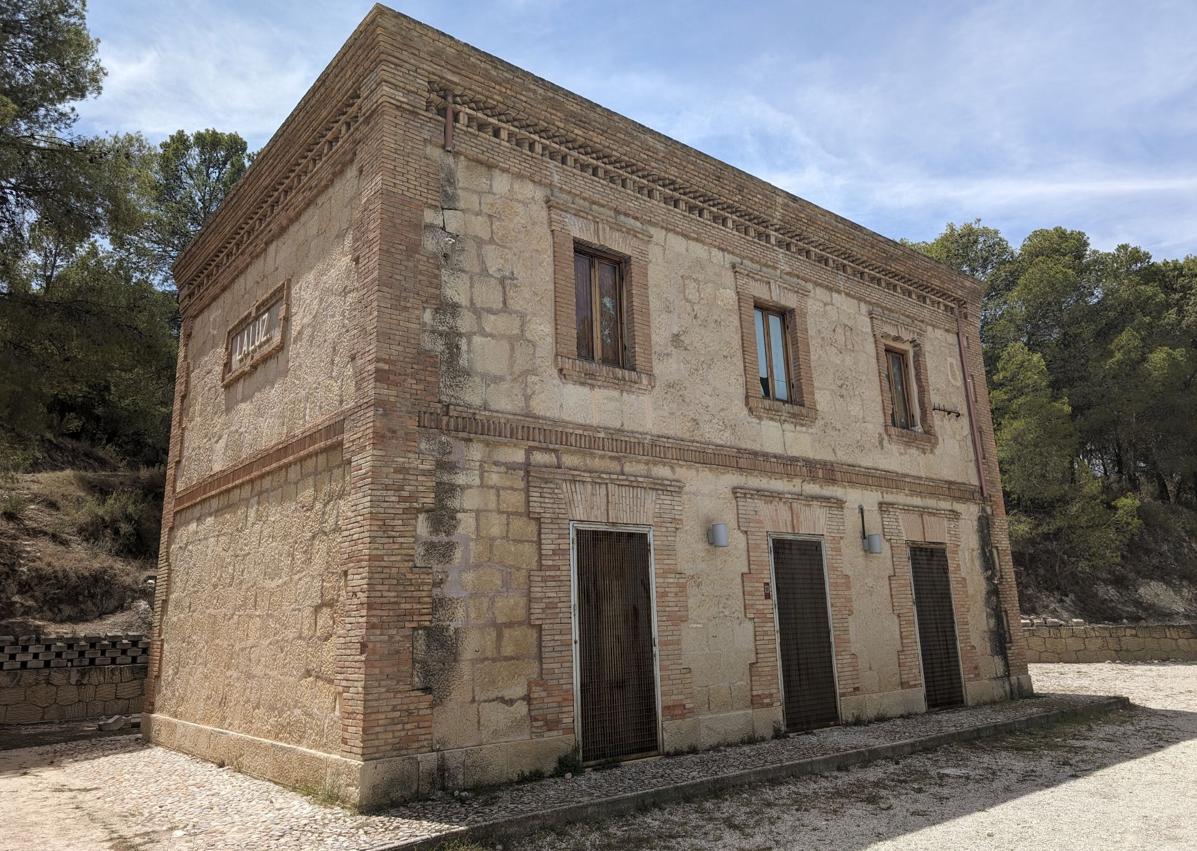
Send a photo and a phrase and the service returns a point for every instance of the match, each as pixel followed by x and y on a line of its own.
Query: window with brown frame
pixel 773 354
pixel 599 307
pixel 898 375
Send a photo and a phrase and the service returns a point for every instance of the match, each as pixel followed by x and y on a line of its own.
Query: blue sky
pixel 899 115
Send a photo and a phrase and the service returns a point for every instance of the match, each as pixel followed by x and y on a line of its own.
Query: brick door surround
pixel 902 526
pixel 557 498
pixel 761 514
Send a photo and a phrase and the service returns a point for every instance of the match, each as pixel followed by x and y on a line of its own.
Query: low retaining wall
pixel 1112 643
pixel 71 677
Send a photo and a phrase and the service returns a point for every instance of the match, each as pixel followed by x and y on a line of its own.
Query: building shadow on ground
pixel 891 799
pixel 30 746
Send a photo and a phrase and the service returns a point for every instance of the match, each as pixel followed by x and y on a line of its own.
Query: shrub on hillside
pixel 124 523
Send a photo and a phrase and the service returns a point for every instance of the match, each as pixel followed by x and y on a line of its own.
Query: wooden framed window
pixel 897 367
pixel 772 354
pixel 775 338
pixel 902 373
pixel 599 308
pixel 600 299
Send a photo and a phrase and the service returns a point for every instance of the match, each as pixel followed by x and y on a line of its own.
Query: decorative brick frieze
pixel 202 276
pixel 902 526
pixel 761 514
pixel 555 433
pixel 788 297
pixel 557 497
pixel 894 332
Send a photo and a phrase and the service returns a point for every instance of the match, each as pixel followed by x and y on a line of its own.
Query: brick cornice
pixel 513 107
pixel 312 146
pixel 543 431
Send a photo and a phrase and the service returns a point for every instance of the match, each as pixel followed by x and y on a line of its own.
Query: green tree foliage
pixel 185 182
pixel 48 177
pixel 90 357
pixel 1092 357
pixel 88 231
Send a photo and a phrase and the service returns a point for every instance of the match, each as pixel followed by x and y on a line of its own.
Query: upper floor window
pixel 902 370
pixel 775 338
pixel 599 308
pixel 772 354
pixel 898 375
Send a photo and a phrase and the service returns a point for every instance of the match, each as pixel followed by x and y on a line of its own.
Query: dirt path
pixel 1125 782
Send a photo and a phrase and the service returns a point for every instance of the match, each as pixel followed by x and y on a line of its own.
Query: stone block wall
pixel 63 678
pixel 1112 643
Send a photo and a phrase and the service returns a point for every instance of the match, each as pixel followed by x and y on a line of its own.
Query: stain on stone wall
pixel 312 376
pixel 995 616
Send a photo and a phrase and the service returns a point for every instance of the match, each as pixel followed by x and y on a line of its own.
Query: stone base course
pixel 1112 643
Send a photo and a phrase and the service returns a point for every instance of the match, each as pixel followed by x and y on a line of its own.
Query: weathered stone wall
pixel 64 678
pixel 491 649
pixel 498 320
pixel 491 658
pixel 423 363
pixel 256 592
pixel 1112 643
pixel 311 377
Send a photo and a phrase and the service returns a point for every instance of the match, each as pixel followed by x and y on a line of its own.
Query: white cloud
pixel 1024 113
pixel 202 65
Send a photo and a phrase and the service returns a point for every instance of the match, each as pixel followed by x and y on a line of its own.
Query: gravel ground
pixel 1126 781
pixel 118 793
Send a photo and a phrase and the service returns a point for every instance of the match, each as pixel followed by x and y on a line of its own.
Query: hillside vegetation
pixel 78 549
pixel 89 228
pixel 1092 366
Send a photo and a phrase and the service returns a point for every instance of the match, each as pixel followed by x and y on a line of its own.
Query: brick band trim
pixel 310 442
pixel 559 433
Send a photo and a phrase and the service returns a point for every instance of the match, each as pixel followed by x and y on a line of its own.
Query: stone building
pixel 509 432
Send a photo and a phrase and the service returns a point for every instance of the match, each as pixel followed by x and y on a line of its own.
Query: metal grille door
pixel 804 635
pixel 618 688
pixel 937 627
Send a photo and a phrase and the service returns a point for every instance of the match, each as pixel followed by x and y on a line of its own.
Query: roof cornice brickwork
pixel 494 100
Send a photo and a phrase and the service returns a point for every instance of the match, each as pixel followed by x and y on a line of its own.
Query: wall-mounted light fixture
pixel 717 534
pixel 872 543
